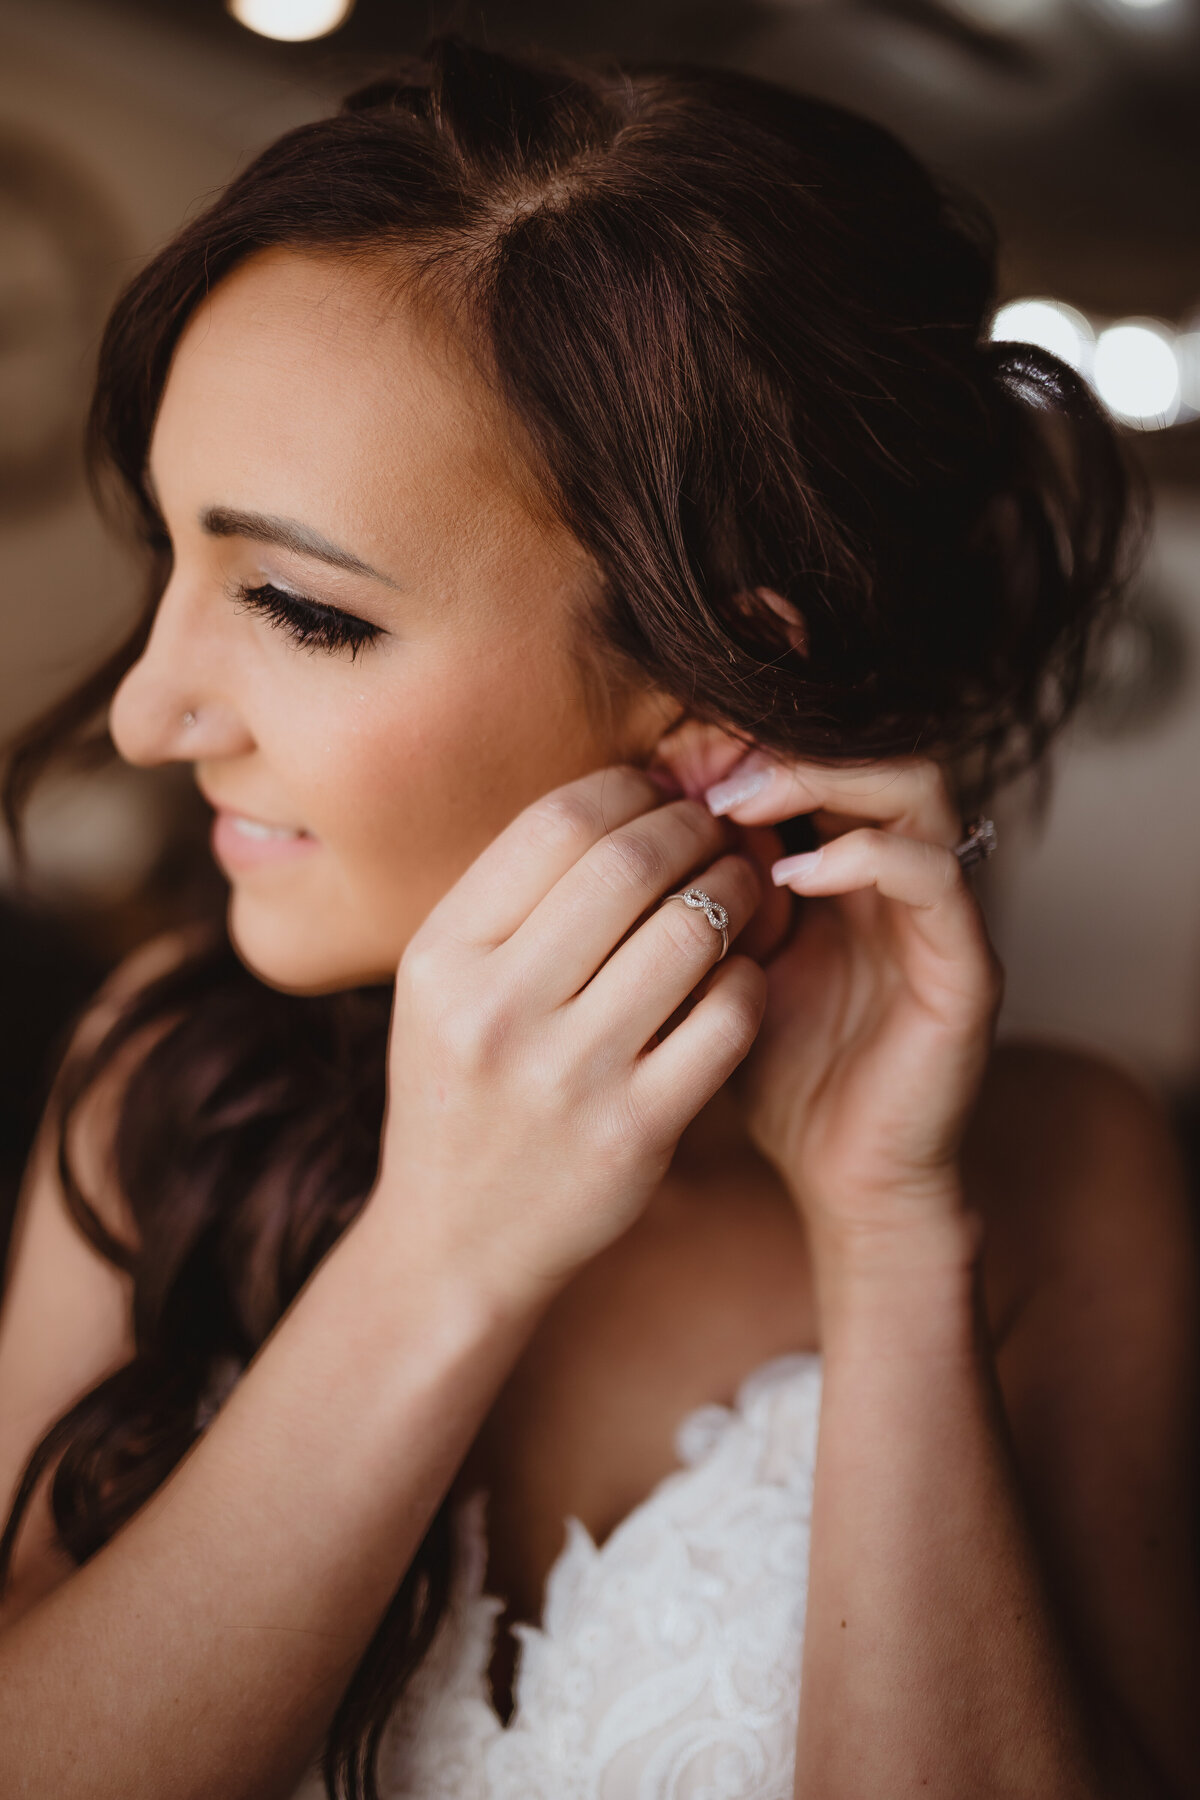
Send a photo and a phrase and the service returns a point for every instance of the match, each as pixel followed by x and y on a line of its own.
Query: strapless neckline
pixel 695 1437
pixel 665 1664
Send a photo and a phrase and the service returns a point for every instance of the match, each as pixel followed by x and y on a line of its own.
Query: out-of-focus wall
pixel 111 130
pixel 1096 912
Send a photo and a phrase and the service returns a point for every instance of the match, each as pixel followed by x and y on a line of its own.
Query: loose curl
pixel 744 336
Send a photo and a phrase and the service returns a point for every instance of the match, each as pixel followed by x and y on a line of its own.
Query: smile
pixel 239 842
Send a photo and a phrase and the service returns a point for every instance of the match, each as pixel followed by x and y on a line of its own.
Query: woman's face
pixel 323 450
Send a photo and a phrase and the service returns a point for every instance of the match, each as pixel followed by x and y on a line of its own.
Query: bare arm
pixel 204 1649
pixel 1003 1588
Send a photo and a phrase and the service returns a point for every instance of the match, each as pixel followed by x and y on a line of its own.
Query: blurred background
pixel 1076 121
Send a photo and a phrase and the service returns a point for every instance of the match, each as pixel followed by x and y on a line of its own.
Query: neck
pixel 716 1137
pixel 715 1162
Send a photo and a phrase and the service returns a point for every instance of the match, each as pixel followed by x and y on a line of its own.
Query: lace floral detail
pixel 667 1662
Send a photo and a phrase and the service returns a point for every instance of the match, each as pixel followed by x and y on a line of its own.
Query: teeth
pixel 253 828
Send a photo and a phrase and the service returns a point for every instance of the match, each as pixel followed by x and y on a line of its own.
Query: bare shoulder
pixel 1044 1095
pixel 1091 1269
pixel 1075 1165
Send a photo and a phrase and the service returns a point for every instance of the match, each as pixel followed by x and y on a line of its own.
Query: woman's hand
pixel 880 1009
pixel 531 1109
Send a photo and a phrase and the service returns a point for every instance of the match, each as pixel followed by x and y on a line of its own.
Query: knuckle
pixel 632 860
pixel 474 1036
pixel 861 849
pixel 422 970
pixel 736 1020
pixel 559 820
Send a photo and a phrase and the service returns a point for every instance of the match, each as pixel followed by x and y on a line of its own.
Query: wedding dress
pixel 667 1662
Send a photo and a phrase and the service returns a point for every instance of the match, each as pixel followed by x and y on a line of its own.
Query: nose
pixel 175 704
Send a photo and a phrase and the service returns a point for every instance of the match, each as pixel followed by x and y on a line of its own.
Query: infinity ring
pixel 978 844
pixel 712 909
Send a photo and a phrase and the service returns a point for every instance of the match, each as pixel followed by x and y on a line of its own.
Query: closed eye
pixel 309 623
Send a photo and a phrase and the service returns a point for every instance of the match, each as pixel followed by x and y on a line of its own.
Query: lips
pixel 240 841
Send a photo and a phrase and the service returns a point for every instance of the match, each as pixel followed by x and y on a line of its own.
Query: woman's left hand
pixel 881 1006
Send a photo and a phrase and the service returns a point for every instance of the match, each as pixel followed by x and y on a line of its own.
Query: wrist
pixel 897 1280
pixel 479 1288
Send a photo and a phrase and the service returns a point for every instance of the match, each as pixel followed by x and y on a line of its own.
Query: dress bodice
pixel 667 1662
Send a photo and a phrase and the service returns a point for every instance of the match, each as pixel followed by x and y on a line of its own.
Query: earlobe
pixel 695 755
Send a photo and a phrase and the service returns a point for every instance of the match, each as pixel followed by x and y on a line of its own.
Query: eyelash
pixel 307 622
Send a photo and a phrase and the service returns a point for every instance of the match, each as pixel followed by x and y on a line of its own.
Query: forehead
pixel 309 386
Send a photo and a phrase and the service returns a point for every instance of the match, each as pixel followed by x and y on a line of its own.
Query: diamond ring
pixel 712 909
pixel 978 844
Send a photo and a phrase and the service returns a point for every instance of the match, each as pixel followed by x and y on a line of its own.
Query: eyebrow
pixel 289 534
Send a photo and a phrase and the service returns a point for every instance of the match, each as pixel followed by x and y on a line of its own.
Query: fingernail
pixel 723 796
pixel 791 868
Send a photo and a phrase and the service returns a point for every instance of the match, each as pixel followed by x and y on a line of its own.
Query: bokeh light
pixel 1136 372
pixel 1051 325
pixel 1147 373
pixel 291 21
pixel 1187 352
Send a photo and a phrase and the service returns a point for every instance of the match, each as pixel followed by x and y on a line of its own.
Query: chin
pixel 300 955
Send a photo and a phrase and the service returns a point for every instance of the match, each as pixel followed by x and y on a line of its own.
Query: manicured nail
pixel 723 796
pixel 788 868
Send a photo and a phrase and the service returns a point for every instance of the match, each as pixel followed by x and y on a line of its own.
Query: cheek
pixel 406 787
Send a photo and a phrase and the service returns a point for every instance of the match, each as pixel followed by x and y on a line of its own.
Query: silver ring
pixel 712 909
pixel 978 844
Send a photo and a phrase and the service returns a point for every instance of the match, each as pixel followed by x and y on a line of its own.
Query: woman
pixel 559 480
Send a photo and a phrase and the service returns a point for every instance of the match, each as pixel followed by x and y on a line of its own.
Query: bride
pixel 566 1298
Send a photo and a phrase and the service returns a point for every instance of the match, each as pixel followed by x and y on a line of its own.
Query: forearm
pixel 203 1650
pixel 932 1661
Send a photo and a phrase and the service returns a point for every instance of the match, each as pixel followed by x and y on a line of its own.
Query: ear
pixel 694 755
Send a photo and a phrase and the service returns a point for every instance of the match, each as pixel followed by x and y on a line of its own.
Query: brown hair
pixel 745 336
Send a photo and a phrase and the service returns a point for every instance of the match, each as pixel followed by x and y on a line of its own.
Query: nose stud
pixel 189 718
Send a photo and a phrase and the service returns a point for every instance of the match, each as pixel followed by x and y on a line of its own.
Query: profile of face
pixel 326 448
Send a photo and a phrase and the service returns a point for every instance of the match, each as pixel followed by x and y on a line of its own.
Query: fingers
pixel 924 877
pixel 908 794
pixel 658 966
pixel 674 1080
pixel 520 866
pixel 578 924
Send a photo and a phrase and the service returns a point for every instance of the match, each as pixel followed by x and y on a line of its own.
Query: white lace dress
pixel 667 1662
